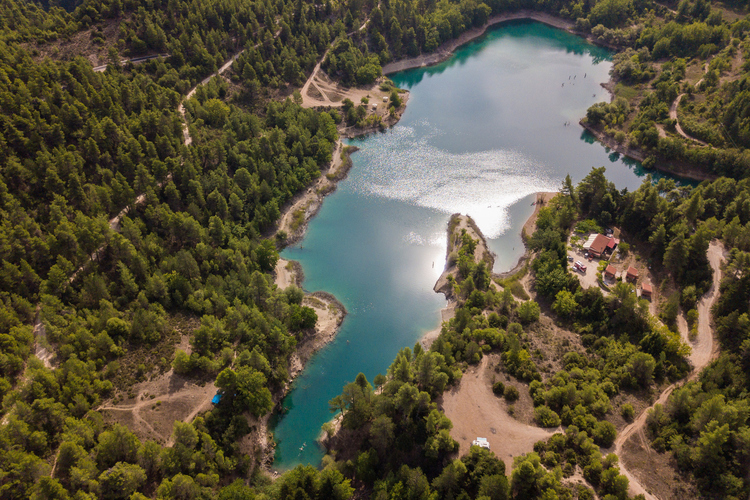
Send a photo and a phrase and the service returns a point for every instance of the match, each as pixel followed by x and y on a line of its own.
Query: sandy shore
pixel 458 222
pixel 541 200
pixel 446 314
pixel 444 51
pixel 297 213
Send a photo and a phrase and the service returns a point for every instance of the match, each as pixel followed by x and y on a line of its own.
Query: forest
pixel 118 236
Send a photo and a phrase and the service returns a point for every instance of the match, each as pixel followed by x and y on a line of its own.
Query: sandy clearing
pixel 476 412
pixel 284 274
pixel 159 403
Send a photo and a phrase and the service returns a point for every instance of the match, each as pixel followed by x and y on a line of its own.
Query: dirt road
pixel 159 403
pixel 703 353
pixel 673 114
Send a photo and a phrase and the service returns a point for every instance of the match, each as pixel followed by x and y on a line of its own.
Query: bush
pixel 528 312
pixel 604 434
pixel 588 226
pixel 546 417
pixel 627 411
pixel 498 388
pixel 511 394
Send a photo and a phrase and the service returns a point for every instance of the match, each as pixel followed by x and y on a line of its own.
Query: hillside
pixel 156 155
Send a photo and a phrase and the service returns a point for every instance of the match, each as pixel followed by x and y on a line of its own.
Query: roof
pixel 646 287
pixel 611 270
pixel 632 271
pixel 596 243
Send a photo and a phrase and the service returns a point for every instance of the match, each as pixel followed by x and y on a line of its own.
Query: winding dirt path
pixel 704 351
pixel 673 114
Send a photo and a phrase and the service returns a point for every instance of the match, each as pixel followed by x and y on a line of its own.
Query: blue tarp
pixel 216 398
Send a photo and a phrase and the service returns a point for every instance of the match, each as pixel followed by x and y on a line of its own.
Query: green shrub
pixel 546 417
pixel 528 312
pixel 511 394
pixel 627 411
pixel 498 388
pixel 604 434
pixel 588 226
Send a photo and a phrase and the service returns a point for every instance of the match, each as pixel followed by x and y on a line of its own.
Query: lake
pixel 481 133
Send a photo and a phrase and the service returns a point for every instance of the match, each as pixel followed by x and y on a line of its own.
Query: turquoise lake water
pixel 481 133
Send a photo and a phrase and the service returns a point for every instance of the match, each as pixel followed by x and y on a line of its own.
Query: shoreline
pixel 331 314
pixel 449 311
pixel 639 155
pixel 456 224
pixel 528 228
pixel 297 212
pixel 445 51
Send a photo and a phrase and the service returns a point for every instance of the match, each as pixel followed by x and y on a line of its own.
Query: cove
pixel 481 133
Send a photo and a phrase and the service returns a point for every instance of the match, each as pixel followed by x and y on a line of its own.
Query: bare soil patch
pixel 657 472
pixel 93 44
pixel 159 403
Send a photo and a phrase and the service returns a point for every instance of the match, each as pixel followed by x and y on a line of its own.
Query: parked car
pixel 580 266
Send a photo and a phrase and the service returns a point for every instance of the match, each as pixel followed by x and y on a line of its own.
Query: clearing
pixel 476 412
pixel 160 401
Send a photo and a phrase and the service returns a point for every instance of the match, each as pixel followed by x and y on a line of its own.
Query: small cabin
pixel 646 290
pixel 481 442
pixel 632 274
pixel 610 272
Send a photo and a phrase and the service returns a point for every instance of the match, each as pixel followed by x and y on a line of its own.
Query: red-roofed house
pixel 632 274
pixel 610 272
pixel 646 290
pixel 596 244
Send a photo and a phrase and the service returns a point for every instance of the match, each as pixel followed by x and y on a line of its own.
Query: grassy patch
pixel 298 218
pixel 515 286
pixel 626 91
